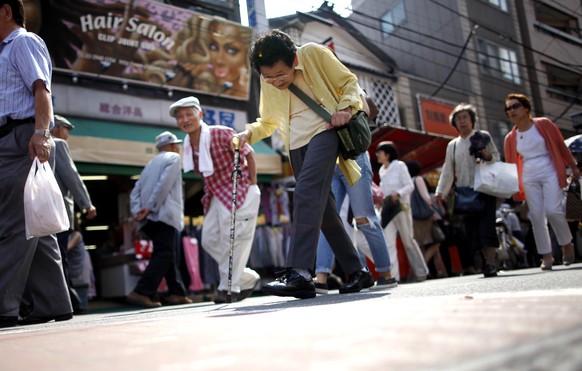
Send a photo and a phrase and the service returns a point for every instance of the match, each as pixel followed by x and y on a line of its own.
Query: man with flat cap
pixel 74 191
pixel 157 205
pixel 208 151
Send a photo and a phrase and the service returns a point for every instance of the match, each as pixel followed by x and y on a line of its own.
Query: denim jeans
pixel 362 204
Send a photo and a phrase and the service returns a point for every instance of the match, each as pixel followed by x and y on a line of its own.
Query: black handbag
pixel 420 209
pixel 465 199
pixel 573 201
pixel 355 137
pixel 389 210
pixel 468 201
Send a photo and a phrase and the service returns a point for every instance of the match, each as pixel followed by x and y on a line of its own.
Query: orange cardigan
pixel 559 153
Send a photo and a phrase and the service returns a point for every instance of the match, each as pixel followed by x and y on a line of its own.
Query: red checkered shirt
pixel 219 184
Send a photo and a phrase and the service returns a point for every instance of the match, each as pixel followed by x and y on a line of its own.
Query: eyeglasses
pixel 270 80
pixel 514 106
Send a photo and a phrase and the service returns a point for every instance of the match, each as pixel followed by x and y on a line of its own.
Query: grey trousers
pixel 33 265
pixel 314 206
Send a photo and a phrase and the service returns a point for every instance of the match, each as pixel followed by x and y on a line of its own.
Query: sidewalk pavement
pixel 398 329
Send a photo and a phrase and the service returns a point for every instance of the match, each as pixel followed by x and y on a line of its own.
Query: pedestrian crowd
pixel 341 224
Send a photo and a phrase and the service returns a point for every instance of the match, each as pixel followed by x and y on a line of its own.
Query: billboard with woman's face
pixel 147 41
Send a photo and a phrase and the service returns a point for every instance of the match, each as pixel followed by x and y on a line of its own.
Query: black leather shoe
pixel 489 271
pixel 292 284
pixel 37 320
pixel 357 281
pixel 8 321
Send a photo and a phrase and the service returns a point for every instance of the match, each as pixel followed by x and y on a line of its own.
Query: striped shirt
pixel 219 184
pixel 24 58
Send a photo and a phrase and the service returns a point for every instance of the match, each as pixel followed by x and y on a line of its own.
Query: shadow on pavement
pixel 298 303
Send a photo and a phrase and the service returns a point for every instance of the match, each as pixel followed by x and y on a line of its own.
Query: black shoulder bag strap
pixel 454 155
pixel 310 102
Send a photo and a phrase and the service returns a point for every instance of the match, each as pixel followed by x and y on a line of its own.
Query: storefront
pixel 428 149
pixel 113 140
pixel 117 67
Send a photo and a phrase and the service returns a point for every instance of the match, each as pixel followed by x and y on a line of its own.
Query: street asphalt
pixel 521 320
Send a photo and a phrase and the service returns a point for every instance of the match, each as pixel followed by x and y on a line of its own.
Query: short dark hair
pixel 463 107
pixel 389 149
pixel 17 7
pixel 413 167
pixel 272 47
pixel 523 99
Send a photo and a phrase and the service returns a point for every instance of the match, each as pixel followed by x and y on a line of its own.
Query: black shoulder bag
pixel 355 137
pixel 467 200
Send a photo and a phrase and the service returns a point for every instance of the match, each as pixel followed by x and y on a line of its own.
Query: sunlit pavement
pixel 524 320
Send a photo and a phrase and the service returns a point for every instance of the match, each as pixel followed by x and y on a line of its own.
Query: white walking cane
pixel 235 174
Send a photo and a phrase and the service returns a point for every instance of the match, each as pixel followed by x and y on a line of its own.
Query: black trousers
pixel 162 264
pixel 314 207
pixel 63 240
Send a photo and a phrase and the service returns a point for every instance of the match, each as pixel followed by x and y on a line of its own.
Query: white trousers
pixel 216 239
pixel 545 203
pixel 402 224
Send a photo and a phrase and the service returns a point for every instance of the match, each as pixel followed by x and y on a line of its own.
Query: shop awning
pixel 122 148
pixel 428 149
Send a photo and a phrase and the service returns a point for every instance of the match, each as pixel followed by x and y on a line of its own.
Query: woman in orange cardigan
pixel 537 146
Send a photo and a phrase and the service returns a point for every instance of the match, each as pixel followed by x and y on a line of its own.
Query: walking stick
pixel 235 174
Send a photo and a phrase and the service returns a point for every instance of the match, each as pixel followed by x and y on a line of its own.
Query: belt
pixel 28 120
pixel 11 124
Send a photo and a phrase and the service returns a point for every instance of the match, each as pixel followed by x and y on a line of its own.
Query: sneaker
pixel 321 288
pixel 334 282
pixel 384 283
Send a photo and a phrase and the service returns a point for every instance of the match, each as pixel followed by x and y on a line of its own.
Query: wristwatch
pixel 46 133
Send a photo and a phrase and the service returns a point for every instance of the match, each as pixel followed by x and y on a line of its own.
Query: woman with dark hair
pixel 313 147
pixel 424 229
pixel 459 170
pixel 537 146
pixel 395 182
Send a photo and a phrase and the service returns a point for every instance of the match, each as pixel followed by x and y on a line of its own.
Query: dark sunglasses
pixel 514 106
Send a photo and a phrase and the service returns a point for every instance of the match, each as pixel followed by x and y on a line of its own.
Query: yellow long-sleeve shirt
pixel 330 81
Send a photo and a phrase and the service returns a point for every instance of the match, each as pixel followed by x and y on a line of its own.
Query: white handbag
pixel 498 179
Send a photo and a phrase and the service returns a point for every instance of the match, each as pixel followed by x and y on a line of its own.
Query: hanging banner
pixel 434 116
pixel 149 42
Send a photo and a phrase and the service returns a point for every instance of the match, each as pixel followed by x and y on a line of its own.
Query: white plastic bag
pixel 44 208
pixel 498 179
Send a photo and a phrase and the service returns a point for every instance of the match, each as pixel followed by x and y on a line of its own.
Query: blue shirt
pixel 24 58
pixel 159 189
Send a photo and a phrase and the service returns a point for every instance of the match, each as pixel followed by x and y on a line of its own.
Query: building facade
pixel 478 51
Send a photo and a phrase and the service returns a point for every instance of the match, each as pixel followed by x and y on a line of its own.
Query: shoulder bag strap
pixel 454 155
pixel 310 102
